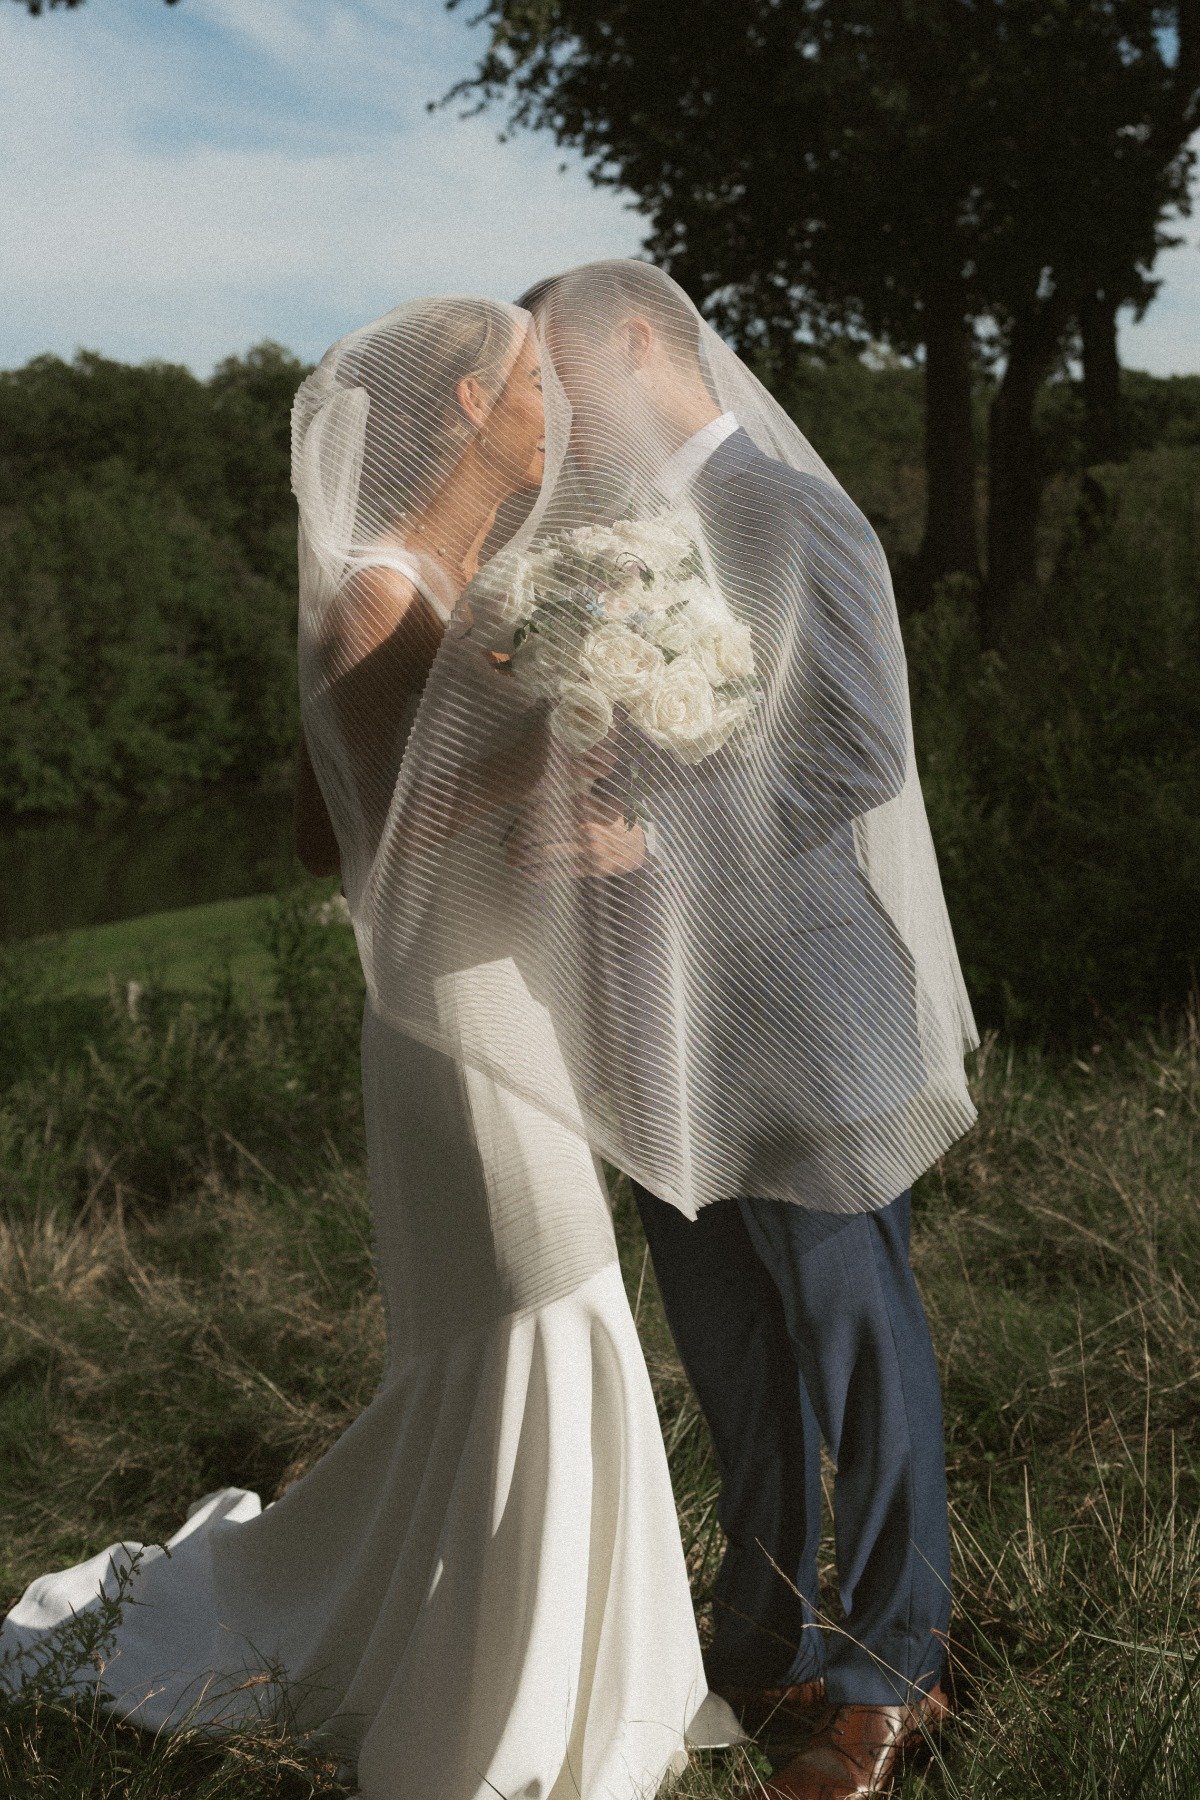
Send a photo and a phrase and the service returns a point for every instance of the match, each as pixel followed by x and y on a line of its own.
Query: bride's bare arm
pixel 384 637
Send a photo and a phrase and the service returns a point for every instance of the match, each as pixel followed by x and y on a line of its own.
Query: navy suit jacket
pixel 809 992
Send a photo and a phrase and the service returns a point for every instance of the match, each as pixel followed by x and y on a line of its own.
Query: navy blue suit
pixel 808 1010
pixel 793 1323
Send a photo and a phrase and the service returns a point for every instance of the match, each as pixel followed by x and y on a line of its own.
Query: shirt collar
pixel 684 463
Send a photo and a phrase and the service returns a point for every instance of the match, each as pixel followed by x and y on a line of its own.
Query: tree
pixel 138 651
pixel 903 170
pixel 251 407
pixel 147 577
pixel 38 6
pixel 1089 151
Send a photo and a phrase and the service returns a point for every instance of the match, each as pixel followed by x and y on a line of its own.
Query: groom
pixel 795 1324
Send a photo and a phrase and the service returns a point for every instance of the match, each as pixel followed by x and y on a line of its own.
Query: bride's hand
pixel 512 776
pixel 596 841
pixel 539 755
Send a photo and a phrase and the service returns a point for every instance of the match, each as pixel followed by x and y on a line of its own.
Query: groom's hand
pixel 596 841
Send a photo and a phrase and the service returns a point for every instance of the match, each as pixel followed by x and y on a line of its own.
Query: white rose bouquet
pixel 622 615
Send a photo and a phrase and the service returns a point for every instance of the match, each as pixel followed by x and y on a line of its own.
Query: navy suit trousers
pixel 793 1325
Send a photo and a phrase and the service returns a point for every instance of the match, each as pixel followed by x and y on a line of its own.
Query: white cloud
pixel 153 210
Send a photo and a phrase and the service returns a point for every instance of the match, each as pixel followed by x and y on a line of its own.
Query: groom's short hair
pixel 624 283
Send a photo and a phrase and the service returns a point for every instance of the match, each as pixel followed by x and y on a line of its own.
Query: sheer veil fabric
pixel 480 1587
pixel 770 1002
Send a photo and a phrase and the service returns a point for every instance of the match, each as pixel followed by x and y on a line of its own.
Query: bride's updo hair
pixel 416 431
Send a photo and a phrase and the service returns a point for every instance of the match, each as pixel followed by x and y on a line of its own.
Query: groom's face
pixel 599 384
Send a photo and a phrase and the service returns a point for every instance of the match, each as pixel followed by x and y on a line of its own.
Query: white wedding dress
pixel 480 1589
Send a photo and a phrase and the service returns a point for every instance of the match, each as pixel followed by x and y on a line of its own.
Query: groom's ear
pixel 637 338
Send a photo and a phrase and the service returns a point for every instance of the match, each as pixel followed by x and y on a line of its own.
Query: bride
pixel 480 1588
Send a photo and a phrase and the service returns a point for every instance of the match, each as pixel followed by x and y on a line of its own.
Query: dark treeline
pixel 147 646
pixel 147 578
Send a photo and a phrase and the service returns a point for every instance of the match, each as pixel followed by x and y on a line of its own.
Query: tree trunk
pixel 1016 466
pixel 1103 436
pixel 951 543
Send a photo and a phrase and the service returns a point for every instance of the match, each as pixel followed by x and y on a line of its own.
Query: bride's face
pixel 514 444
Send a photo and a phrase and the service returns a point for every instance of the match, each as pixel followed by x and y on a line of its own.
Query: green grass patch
pixel 178 950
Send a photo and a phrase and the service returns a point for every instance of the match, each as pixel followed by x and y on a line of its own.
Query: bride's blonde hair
pixel 416 430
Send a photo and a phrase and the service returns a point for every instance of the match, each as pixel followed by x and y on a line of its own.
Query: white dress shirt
pixel 689 459
pixel 679 469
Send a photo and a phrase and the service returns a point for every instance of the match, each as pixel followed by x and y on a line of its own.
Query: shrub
pixel 1061 768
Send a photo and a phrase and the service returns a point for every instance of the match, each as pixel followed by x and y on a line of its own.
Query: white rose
pixel 504 592
pixel 518 600
pixel 654 597
pixel 620 662
pixel 706 604
pixel 731 714
pixel 677 709
pixel 582 716
pixel 659 541
pixel 726 652
pixel 619 603
pixel 593 538
pixel 676 634
pixel 626 577
pixel 703 609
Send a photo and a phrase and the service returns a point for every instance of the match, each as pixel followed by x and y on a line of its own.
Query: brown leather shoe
pixel 778 1713
pixel 856 1751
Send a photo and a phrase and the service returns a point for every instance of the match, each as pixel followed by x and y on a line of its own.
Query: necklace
pixel 442 552
pixel 438 549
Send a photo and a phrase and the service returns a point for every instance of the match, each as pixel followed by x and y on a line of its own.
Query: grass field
pixel 175 950
pixel 187 1302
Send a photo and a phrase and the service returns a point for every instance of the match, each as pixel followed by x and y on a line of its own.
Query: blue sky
pixel 181 182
